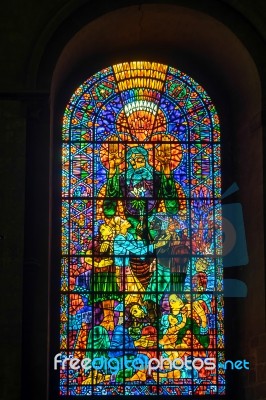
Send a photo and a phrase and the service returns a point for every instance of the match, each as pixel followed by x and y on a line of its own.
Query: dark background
pixel 48 48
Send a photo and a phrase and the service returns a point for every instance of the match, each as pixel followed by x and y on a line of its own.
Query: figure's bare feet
pixel 93 378
pixel 175 374
pixel 138 376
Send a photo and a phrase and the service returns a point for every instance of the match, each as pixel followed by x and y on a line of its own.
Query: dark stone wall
pixel 12 200
pixel 33 37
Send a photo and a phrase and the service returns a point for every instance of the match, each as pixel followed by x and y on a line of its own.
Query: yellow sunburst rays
pixel 140 84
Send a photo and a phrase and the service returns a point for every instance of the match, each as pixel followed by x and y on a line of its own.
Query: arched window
pixel 141 276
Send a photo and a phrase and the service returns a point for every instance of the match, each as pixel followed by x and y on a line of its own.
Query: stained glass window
pixel 141 266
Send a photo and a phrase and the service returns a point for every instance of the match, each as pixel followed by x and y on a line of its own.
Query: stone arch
pixel 211 60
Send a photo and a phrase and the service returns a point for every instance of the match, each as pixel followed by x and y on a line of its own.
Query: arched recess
pixel 221 64
pixel 141 234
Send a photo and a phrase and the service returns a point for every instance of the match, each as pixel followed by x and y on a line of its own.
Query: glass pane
pixel 141 272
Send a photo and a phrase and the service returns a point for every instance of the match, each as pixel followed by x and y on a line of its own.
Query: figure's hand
pixel 152 267
pixel 104 247
pixel 197 307
pixel 88 257
pixel 162 241
pixel 114 158
pixel 139 230
pixel 105 263
pixel 168 340
pixel 163 155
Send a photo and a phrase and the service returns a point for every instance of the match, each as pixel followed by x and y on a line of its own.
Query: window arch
pixel 141 268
